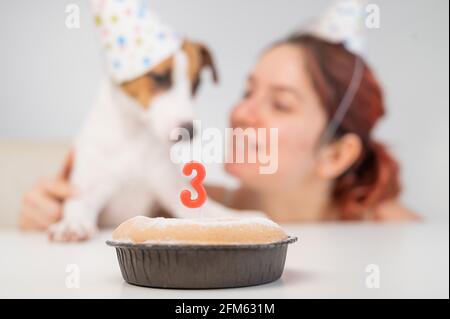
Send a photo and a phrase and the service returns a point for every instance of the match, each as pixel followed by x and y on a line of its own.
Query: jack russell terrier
pixel 122 155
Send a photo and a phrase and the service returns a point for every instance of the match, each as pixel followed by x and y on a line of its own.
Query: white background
pixel 49 74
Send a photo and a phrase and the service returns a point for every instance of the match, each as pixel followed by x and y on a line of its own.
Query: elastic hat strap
pixel 347 100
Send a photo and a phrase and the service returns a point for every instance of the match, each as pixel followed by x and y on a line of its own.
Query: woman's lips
pixel 250 143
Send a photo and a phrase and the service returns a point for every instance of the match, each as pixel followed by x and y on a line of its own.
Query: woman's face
pixel 279 94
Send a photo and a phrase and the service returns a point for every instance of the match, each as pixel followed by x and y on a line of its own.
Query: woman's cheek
pixel 294 138
pixel 295 150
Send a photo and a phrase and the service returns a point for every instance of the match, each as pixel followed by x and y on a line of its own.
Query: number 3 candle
pixel 197 183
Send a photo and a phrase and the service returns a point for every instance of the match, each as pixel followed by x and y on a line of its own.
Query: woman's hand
pixel 42 205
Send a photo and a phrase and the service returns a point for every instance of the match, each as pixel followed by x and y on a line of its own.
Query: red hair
pixel 374 177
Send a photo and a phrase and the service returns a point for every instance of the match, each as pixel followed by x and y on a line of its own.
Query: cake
pixel 200 253
pixel 206 231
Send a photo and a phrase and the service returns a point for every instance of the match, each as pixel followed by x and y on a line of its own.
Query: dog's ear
pixel 200 57
pixel 208 61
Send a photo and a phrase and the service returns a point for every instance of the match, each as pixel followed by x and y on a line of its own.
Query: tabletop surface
pixel 351 260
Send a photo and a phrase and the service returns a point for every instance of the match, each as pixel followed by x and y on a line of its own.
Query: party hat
pixel 133 38
pixel 343 22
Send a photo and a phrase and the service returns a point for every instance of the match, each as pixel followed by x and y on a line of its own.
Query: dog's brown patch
pixel 145 88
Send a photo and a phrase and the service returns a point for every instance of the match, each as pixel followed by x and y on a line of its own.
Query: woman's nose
pixel 246 112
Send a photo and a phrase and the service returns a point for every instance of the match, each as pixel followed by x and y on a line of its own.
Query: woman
pixel 297 87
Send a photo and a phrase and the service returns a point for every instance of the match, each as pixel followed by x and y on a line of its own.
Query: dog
pixel 122 165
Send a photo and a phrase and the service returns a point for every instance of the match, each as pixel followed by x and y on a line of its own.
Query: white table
pixel 329 260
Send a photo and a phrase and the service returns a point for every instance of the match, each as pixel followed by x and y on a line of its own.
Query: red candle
pixel 196 183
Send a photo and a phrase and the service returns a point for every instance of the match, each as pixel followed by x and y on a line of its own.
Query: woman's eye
pixel 282 107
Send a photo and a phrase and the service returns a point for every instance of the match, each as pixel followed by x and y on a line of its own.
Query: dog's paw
pixel 72 230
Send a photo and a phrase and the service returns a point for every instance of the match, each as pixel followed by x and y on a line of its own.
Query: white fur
pixel 122 162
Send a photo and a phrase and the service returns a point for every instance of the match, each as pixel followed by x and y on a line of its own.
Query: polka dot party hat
pixel 343 22
pixel 133 38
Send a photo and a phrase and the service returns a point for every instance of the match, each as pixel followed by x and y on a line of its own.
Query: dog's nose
pixel 190 128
